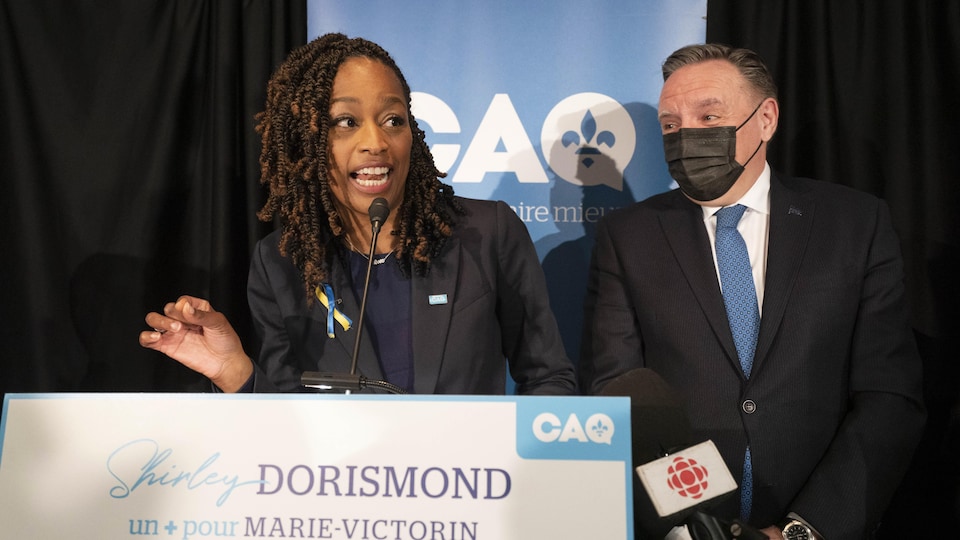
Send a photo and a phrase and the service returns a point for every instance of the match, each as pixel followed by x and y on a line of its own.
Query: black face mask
pixel 703 160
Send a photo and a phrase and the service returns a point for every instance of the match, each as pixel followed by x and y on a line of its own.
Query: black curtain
pixel 869 95
pixel 130 176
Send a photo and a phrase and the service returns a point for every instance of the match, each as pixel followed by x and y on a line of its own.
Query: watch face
pixel 796 531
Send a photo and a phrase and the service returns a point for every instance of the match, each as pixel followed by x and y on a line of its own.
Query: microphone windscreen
pixel 379 210
pixel 658 424
pixel 658 421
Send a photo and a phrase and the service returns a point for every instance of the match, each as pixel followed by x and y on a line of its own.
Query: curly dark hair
pixel 294 162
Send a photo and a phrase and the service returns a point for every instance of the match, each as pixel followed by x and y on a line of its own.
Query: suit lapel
pixel 791 217
pixel 432 299
pixel 683 227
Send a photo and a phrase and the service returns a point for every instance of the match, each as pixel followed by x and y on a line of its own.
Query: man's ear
pixel 770 116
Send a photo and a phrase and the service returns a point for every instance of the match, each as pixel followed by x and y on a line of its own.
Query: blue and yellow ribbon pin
pixel 329 301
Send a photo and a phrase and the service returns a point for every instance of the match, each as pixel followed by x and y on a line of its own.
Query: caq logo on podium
pixel 559 428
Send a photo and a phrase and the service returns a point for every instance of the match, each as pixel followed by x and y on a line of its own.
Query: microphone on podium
pixel 675 481
pixel 353 382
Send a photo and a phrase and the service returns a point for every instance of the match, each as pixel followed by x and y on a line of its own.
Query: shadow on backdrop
pixel 566 254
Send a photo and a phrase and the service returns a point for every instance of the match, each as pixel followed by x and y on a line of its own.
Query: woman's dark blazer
pixel 482 307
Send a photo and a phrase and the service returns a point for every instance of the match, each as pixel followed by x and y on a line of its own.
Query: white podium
pixel 202 466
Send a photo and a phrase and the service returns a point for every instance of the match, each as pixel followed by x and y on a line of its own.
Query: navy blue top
pixel 388 315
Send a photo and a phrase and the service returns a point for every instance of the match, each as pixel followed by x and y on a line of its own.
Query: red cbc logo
pixel 687 477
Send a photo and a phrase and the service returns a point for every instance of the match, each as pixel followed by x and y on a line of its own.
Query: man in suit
pixel 808 381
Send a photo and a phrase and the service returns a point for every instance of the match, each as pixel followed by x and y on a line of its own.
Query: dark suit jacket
pixel 835 397
pixel 496 308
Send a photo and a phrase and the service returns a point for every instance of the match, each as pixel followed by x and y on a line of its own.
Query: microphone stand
pixel 375 223
pixel 347 382
pixel 352 382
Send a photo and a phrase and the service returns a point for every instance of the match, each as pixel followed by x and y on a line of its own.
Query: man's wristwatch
pixel 797 530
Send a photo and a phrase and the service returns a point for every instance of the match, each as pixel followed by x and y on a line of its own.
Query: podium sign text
pixel 205 466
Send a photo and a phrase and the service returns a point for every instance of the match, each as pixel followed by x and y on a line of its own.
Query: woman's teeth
pixel 371 176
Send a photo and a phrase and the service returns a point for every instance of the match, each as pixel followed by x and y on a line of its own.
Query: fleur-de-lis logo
pixel 579 142
pixel 599 430
pixel 588 128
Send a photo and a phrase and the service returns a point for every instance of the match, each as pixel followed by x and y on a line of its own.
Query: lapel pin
pixel 794 211
pixel 325 294
pixel 437 299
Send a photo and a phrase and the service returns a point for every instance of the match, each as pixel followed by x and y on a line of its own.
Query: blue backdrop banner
pixel 548 105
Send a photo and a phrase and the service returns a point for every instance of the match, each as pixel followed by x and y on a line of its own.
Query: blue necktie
pixel 743 313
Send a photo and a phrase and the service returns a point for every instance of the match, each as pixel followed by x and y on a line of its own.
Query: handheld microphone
pixel 349 382
pixel 675 480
